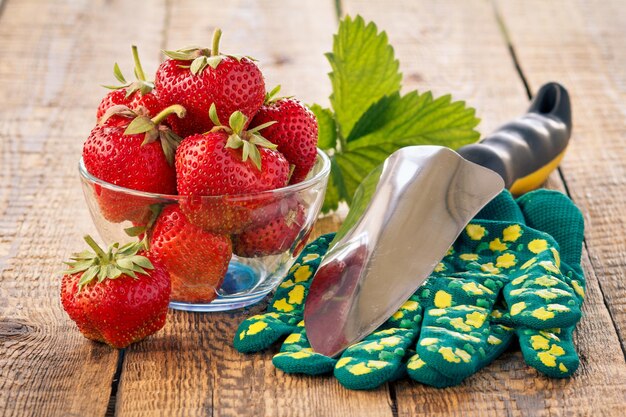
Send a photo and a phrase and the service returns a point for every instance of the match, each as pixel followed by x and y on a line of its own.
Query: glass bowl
pixel 254 269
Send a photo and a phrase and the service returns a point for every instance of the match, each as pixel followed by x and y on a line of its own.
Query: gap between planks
pixel 115 383
pixel 2 4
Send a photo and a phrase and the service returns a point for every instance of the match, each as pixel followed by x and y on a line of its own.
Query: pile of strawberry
pixel 207 131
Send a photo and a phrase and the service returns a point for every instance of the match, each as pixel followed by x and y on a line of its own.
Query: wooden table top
pixel 53 56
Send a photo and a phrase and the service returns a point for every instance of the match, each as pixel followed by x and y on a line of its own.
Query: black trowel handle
pixel 526 150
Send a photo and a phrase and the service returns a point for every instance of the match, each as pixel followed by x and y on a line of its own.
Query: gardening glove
pixel 379 357
pixel 456 338
pixel 543 291
pixel 457 323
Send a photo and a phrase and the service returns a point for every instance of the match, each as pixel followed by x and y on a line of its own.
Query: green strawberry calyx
pixel 202 57
pixel 272 96
pixel 137 231
pixel 153 128
pixel 247 140
pixel 141 84
pixel 115 262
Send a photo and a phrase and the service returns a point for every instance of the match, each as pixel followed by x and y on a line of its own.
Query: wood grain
pixel 461 49
pixel 52 58
pixel 190 368
pixel 583 45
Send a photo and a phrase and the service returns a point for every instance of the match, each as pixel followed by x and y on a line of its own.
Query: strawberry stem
pixel 96 248
pixel 138 68
pixel 174 108
pixel 215 46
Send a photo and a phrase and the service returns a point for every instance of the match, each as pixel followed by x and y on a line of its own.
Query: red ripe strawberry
pixel 130 150
pixel 118 297
pixel 134 101
pixel 196 260
pixel 295 132
pixel 197 78
pixel 273 237
pixel 139 93
pixel 228 162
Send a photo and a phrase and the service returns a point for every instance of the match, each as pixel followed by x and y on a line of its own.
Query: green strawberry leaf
pixel 415 119
pixel 394 122
pixel 364 70
pixel 370 119
pixel 327 127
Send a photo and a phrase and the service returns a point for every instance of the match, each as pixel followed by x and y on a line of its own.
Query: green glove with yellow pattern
pixel 459 320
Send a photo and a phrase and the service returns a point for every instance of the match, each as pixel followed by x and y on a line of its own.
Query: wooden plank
pixel 584 45
pixel 52 58
pixel 454 46
pixel 190 368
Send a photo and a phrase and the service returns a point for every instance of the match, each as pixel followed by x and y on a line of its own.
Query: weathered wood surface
pixel 49 71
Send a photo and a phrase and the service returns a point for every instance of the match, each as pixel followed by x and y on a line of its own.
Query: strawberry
pixel 118 297
pixel 199 77
pixel 273 237
pixel 128 149
pixel 227 162
pixel 139 93
pixel 295 132
pixel 196 260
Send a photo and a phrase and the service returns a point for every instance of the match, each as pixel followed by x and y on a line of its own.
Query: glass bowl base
pixel 242 287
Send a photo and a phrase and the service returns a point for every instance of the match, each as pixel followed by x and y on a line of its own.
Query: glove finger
pixel 500 335
pixel 498 340
pixel 502 208
pixel 420 371
pixel 378 358
pixel 291 294
pixel 367 365
pixel 455 328
pixel 261 331
pixel 287 306
pixel 297 357
pixel 555 214
pixel 375 360
pixel 540 296
pixel 551 351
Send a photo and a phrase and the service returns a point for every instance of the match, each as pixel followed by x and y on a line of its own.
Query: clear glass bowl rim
pixel 308 183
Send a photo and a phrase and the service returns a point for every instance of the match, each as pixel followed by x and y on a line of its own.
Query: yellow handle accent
pixel 536 179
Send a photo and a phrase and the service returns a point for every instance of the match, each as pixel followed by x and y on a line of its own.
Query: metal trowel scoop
pixel 407 213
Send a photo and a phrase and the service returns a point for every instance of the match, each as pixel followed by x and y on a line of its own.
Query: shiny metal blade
pixel 403 219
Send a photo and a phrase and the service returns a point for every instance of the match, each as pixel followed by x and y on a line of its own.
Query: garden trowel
pixel 407 213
